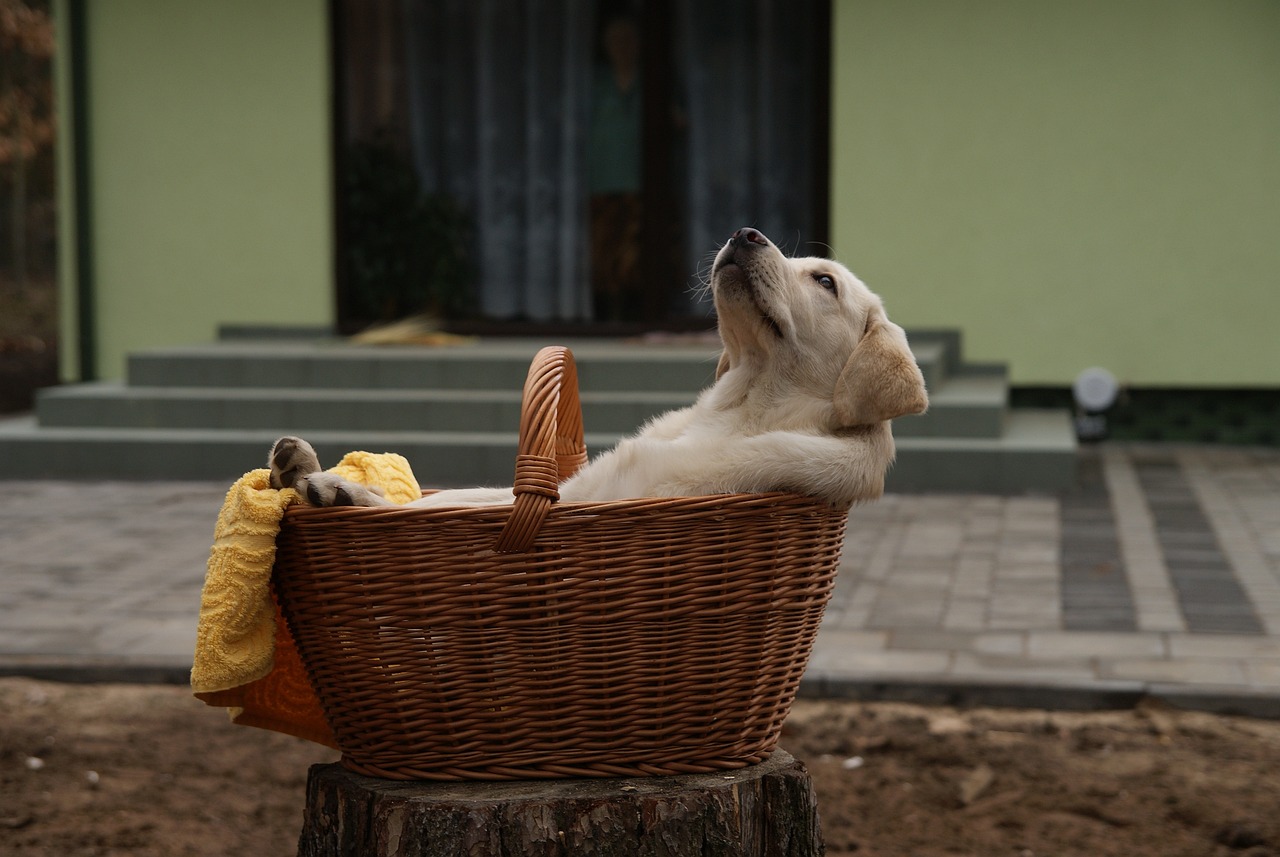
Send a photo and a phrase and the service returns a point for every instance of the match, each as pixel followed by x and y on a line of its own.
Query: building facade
pixel 1070 185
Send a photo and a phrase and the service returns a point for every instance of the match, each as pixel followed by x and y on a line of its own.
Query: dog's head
pixel 809 324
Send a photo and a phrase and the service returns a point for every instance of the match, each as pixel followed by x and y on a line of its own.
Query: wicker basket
pixel 627 638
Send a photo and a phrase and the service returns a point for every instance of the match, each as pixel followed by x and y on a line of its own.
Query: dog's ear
pixel 723 365
pixel 880 380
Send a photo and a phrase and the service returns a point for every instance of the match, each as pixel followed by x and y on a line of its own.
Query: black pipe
pixel 86 320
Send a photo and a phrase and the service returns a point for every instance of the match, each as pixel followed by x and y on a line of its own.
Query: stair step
pixel 932 358
pixel 967 405
pixel 113 405
pixel 500 366
pixel 440 459
pixel 1037 452
pixel 961 407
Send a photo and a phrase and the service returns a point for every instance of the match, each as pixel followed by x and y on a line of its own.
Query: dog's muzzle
pixel 745 240
pixel 738 252
pixel 747 236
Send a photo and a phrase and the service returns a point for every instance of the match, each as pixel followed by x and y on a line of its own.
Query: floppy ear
pixel 880 380
pixel 723 365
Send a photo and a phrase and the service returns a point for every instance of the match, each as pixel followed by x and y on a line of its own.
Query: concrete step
pixel 961 406
pixel 934 361
pixel 940 355
pixel 483 366
pixel 114 405
pixel 440 459
pixel 1037 452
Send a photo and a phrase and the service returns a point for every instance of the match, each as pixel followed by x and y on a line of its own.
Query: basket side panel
pixel 624 644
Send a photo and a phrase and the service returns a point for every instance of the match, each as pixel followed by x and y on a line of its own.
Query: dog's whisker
pixel 795 247
pixel 826 250
pixel 699 294
pixel 700 288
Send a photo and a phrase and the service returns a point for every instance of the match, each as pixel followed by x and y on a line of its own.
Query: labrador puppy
pixel 811 373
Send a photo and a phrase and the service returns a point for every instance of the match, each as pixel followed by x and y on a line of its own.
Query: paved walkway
pixel 1159 575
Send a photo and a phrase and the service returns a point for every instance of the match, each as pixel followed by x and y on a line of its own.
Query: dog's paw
pixel 291 460
pixel 328 489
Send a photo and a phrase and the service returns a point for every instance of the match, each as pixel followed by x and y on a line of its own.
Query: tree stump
pixel 765 810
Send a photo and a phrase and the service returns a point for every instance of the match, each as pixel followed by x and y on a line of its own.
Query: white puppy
pixel 811 373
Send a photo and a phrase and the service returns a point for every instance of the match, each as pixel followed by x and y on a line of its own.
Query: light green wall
pixel 211 168
pixel 1094 182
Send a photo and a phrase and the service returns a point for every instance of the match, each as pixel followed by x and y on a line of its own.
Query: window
pixel 584 159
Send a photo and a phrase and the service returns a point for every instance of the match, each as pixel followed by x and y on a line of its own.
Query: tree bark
pixel 765 810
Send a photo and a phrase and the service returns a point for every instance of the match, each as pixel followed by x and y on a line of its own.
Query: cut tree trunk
pixel 765 810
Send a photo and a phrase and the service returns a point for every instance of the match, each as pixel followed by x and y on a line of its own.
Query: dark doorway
pixel 569 164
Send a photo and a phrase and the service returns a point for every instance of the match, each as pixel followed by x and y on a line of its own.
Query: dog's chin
pixel 744 319
pixel 738 301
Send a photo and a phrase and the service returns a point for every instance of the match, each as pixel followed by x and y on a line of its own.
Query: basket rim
pixel 766 499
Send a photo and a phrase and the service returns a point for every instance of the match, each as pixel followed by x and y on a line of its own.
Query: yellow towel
pixel 245 657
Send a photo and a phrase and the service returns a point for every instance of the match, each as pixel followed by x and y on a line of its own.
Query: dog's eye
pixel 827 281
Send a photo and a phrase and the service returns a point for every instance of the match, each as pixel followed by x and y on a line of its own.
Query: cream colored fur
pixel 811 373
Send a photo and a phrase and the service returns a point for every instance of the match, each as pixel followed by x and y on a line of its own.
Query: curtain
pixel 498 92
pixel 748 87
pixel 499 101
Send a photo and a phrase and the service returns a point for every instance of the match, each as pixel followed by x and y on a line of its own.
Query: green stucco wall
pixel 210 169
pixel 1094 182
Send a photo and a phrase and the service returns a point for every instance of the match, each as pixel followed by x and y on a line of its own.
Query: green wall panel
pixel 210 167
pixel 1072 184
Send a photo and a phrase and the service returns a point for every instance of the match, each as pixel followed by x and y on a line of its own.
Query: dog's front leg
pixel 294 464
pixel 466 497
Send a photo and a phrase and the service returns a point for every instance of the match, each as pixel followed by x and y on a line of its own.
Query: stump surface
pixel 764 810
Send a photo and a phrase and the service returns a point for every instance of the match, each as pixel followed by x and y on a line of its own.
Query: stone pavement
pixel 1157 576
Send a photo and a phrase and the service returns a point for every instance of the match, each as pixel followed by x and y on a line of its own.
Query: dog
pixel 811 374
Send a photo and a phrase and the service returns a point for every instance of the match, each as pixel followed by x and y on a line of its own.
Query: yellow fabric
pixel 245 659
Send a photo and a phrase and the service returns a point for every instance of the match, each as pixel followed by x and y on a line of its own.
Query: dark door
pixel 566 163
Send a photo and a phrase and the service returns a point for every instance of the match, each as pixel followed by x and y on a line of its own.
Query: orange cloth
pixel 245 657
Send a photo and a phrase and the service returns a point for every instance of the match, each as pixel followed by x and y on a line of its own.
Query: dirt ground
pixel 148 770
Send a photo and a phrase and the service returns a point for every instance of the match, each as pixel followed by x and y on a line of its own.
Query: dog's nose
pixel 747 235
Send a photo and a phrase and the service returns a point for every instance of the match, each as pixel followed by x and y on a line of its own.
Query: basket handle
pixel 551 444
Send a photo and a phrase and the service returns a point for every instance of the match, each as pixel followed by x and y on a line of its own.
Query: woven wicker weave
pixel 628 638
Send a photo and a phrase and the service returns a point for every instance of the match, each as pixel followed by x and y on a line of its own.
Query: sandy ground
pixel 148 770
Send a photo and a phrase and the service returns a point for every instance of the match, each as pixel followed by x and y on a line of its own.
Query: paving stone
pixel 1159 620
pixel 1016 603
pixel 866 662
pixel 1263 674
pixel 847 640
pixel 1240 647
pixel 149 638
pixel 964 617
pixel 975 568
pixel 1048 621
pixel 1102 620
pixel 1102 645
pixel 988 643
pixel 895 613
pixel 1216 672
pixel 911 577
pixel 864 595
pixel 985 667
